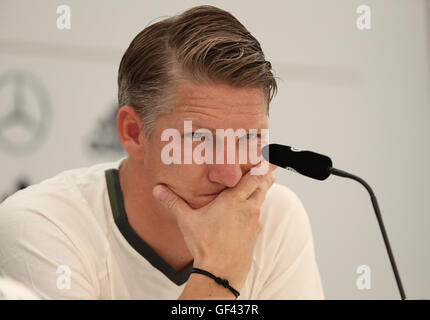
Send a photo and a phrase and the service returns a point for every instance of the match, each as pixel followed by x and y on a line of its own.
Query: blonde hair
pixel 203 44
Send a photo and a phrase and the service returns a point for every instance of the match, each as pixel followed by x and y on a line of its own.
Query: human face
pixel 216 106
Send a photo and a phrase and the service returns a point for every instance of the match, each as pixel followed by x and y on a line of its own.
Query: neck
pixel 147 218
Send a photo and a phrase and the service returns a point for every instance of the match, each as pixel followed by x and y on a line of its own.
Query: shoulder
pixel 286 226
pixel 281 206
pixel 284 255
pixel 64 192
pixel 51 225
pixel 281 195
pixel 61 204
pixel 55 197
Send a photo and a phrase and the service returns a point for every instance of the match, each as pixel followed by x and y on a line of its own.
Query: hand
pixel 221 236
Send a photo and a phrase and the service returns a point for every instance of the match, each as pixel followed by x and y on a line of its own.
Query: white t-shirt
pixel 68 238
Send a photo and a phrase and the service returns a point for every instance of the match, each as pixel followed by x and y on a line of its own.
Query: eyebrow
pixel 198 126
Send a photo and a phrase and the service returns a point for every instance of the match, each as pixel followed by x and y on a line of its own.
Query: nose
pixel 227 175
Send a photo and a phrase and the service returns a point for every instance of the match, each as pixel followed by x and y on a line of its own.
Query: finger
pixel 260 193
pixel 170 200
pixel 272 167
pixel 249 183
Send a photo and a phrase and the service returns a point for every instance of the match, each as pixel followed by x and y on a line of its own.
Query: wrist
pixel 236 278
pixel 220 281
pixel 201 287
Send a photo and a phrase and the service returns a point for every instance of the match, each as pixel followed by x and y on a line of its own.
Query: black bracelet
pixel 223 282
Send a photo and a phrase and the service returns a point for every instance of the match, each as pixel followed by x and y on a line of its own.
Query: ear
pixel 130 131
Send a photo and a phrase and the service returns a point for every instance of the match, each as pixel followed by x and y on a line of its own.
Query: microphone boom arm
pixel 345 174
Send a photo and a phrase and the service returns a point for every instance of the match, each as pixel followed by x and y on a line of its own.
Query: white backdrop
pixel 359 96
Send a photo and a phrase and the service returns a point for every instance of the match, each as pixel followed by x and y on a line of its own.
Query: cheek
pixel 152 161
pixel 186 177
pixel 191 173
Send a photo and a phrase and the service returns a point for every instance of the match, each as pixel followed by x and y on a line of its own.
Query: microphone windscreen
pixel 310 164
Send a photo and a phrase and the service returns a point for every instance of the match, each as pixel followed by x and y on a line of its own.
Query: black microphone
pixel 310 164
pixel 318 166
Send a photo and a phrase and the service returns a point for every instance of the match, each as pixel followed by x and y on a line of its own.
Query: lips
pixel 214 193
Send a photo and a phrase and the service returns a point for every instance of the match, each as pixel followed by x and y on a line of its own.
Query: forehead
pixel 219 106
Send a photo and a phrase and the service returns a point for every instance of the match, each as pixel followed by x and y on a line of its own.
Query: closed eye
pixel 197 135
pixel 250 136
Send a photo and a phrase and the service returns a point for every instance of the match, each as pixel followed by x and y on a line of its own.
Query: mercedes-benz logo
pixel 25 112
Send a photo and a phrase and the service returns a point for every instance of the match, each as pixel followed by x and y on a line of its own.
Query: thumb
pixel 170 200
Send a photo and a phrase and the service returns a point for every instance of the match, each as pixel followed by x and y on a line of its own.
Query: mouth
pixel 203 201
pixel 215 193
pixel 212 194
pixel 206 198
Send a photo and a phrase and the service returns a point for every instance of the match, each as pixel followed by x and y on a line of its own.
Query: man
pixel 134 229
